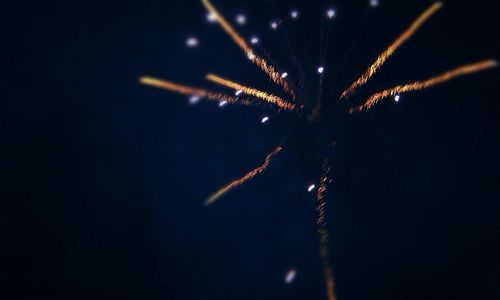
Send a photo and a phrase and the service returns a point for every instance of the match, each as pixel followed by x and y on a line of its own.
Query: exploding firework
pixel 293 102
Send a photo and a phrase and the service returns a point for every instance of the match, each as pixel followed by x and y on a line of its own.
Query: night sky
pixel 103 180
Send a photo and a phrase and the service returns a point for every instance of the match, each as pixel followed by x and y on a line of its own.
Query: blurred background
pixel 102 180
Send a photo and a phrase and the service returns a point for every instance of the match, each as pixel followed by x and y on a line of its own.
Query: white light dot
pixel 374 3
pixel 321 70
pixel 311 188
pixel 396 98
pixel 222 103
pixel 251 56
pixel 238 92
pixel 254 40
pixel 194 99
pixel 284 75
pixel 290 276
pixel 192 42
pixel 274 25
pixel 211 17
pixel 264 120
pixel 294 14
pixel 241 19
pixel 330 13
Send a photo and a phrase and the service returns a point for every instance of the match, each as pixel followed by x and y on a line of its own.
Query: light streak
pixel 382 58
pixel 252 92
pixel 248 176
pixel 323 233
pixel 311 188
pixel 419 85
pixel 264 120
pixel 257 60
pixel 191 91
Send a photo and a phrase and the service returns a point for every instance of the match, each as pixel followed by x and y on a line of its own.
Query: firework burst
pixel 247 95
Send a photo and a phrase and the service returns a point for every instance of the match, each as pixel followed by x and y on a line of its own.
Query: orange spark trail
pixel 248 176
pixel 392 48
pixel 419 85
pixel 241 42
pixel 187 90
pixel 323 234
pixel 252 91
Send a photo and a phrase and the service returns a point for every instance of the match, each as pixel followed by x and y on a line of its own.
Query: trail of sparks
pixel 248 176
pixel 192 91
pixel 273 99
pixel 242 43
pixel 419 85
pixel 392 48
pixel 323 233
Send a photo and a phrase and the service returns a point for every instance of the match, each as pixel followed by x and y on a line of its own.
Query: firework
pixel 259 96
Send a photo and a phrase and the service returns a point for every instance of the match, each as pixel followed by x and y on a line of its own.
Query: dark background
pixel 102 180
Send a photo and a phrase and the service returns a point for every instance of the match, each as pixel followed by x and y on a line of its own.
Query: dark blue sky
pixel 103 180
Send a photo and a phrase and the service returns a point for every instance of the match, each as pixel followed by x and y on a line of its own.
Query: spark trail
pixel 382 58
pixel 419 85
pixel 269 69
pixel 323 233
pixel 248 176
pixel 252 92
pixel 189 91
